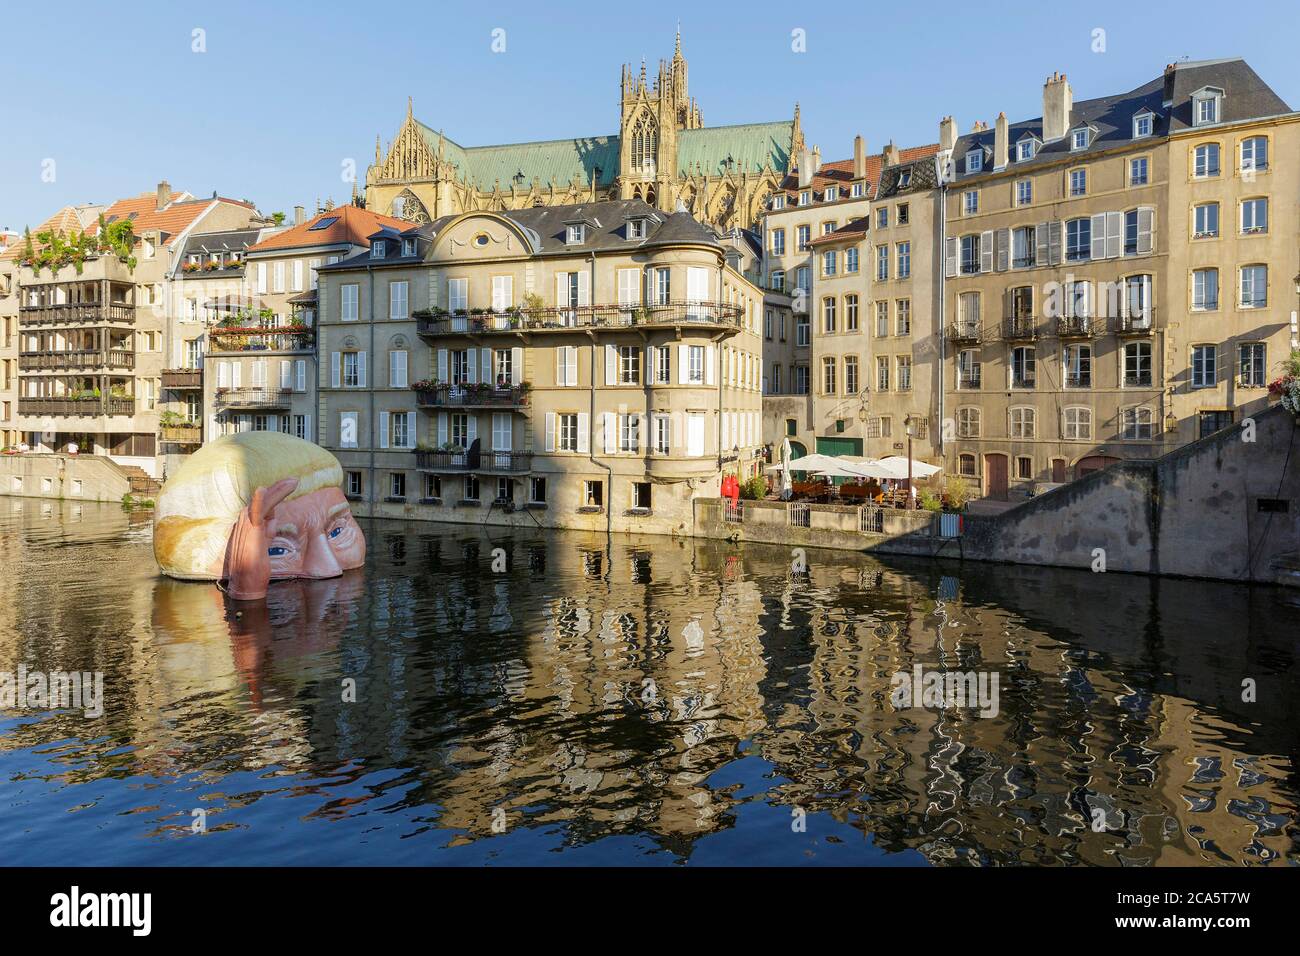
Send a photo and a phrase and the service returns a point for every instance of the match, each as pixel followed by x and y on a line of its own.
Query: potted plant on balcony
pixel 170 419
pixel 524 392
pixel 425 385
pixel 1287 387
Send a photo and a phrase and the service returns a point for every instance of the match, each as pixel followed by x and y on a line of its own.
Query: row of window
pixel 468 489
pixel 831 193
pixel 1136 423
pixel 229 373
pixel 831 381
pixel 1101 236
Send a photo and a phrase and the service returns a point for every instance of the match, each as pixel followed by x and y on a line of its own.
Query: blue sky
pixel 286 93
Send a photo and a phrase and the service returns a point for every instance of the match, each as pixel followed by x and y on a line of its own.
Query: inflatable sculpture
pixel 255 507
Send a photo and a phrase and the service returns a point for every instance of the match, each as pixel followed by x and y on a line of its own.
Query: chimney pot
pixel 859 158
pixel 299 215
pixel 1001 141
pixel 1058 100
pixel 164 195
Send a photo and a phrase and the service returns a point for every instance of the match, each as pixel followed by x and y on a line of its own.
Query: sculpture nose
pixel 321 562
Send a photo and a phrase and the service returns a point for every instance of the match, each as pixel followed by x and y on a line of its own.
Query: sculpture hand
pixel 248 566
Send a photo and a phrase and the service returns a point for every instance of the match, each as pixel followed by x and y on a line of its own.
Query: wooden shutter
pixel 683 364
pixel 1054 242
pixel 471 431
pixel 471 366
pixel 1114 235
pixel 516 365
pixel 1098 250
pixel 286 374
pixel 561 290
pixel 306 428
pixel 336 374
pixel 1002 247
pixel 442 428
pixel 442 365
pixel 611 365
pixel 300 373
pixel 610 424
pixel 361 369
pixel 236 373
pixel 1040 244
pixel 950 257
pixel 708 365
pixel 550 431
pixel 986 251
pixel 488 376
pixel 572 365
pixel 1146 229
pixel 584 432
pixel 383 429
pixel 584 288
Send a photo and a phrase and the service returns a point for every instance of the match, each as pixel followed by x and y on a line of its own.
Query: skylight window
pixel 324 223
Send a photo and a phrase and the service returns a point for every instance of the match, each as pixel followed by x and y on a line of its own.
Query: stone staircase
pixel 141 484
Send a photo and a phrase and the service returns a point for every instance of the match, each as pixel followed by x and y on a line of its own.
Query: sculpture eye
pixel 335 532
pixel 277 551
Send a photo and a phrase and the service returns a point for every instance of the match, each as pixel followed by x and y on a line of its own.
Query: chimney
pixel 890 156
pixel 817 159
pixel 859 158
pixel 299 215
pixel 1058 100
pixel 947 133
pixel 805 167
pixel 1000 135
pixel 164 194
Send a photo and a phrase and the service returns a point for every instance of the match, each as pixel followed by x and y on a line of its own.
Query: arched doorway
pixel 797 449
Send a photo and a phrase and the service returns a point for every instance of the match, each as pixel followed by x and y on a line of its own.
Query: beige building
pixel 1116 274
pixel 93 320
pixel 593 366
pixel 662 154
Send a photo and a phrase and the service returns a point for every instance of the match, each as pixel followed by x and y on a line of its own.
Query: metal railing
pixel 582 317
pixel 480 461
pixel 253 398
pixel 1077 326
pixel 1137 379
pixel 871 519
pixel 799 514
pixel 965 330
pixel 63 360
pixel 1078 380
pixel 450 396
pixel 1142 324
pixel 250 340
pixel 733 511
pixel 68 314
pixel 969 380
pixel 1019 327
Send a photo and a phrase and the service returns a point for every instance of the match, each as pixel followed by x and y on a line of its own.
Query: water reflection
pixel 640 700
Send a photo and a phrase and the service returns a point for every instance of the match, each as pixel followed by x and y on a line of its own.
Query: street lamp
pixel 910 428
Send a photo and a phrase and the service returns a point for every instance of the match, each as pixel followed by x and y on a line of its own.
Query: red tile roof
pixel 352 224
pixel 171 220
pixel 840 171
pixel 62 223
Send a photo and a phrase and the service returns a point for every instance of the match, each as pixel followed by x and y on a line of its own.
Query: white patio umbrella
pixel 844 469
pixel 920 469
pixel 806 463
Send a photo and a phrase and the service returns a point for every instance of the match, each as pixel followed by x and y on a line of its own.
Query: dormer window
pixel 856 191
pixel 805 197
pixel 1206 105
pixel 1142 125
pixel 832 193
pixel 904 179
pixel 1024 150
pixel 408 247
pixel 575 234
pixel 778 202
pixel 1079 139
pixel 378 249
pixel 636 229
pixel 974 160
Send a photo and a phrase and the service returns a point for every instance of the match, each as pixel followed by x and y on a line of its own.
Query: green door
pixel 839 446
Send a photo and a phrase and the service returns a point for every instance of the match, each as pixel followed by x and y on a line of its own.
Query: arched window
pixel 645 144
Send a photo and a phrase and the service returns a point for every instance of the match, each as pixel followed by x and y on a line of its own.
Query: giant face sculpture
pixel 256 507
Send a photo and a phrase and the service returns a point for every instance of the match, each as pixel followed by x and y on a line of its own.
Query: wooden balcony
pixel 1019 328
pixel 76 407
pixel 473 396
pixel 76 360
pixel 673 314
pixel 181 379
pixel 482 462
pixel 1078 327
pixel 81 314
pixel 187 434
pixel 252 398
pixel 965 331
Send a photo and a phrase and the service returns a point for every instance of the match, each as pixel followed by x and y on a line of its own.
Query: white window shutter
pixel 561 372
pixel 572 365
pixel 1114 235
pixel 584 290
pixel 383 429
pixel 610 424
pixel 1040 244
pixel 286 374
pixel 726 430
pixel 986 251
pixel 1146 228
pixel 223 374
pixel 550 431
pixel 611 365
pixel 488 377
pixel 708 365
pixel 442 365
pixel 642 432
pixel 584 432
pixel 1098 250
pixel 1002 242
pixel 683 361
pixel 361 369
pixel 336 374
pixel 471 431
pixel 516 365
pixel 950 257
pixel 1054 242
pixel 471 366
pixel 300 374
pixel 236 373
pixel 442 428
pixel 561 290
pixel 306 428
pixel 648 365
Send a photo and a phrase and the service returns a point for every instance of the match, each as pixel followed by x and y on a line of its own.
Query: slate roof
pixel 750 146
pixel 1168 97
pixel 232 240
pixel 545 228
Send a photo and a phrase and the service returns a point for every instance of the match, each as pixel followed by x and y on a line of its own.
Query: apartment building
pixel 92 321
pixel 1083 255
pixel 260 369
pixel 591 366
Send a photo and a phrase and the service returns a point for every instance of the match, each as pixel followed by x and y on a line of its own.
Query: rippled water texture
pixel 635 700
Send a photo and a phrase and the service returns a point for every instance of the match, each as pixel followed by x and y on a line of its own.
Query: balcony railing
pixel 76 314
pixel 1019 328
pixel 1078 380
pixel 182 434
pixel 1137 379
pixel 182 378
pixel 965 330
pixel 457 396
pixel 253 398
pixel 1077 327
pixel 260 340
pixel 76 407
pixel 1142 324
pixel 582 317
pixel 65 360
pixel 493 462
pixel 968 380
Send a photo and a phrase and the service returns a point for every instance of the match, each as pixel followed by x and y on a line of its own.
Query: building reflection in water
pixel 667 691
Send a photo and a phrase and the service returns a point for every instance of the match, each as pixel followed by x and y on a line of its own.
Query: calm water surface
pixel 635 700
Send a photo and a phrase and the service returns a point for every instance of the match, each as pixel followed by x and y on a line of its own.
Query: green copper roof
pixel 751 146
pixel 560 159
